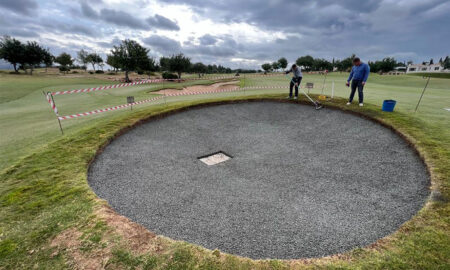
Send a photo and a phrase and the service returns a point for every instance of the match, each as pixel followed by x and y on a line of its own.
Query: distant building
pixel 425 68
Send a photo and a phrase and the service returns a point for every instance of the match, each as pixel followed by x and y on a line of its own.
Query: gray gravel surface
pixel 302 183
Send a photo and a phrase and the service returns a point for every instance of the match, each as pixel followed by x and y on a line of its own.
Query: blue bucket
pixel 388 105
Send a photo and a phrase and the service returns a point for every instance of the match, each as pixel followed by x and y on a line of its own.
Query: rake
pixel 316 103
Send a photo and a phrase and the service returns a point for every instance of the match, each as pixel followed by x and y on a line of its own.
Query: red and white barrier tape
pixel 204 92
pixel 263 87
pixel 107 109
pixel 152 99
pixel 52 104
pixel 102 87
pixel 86 90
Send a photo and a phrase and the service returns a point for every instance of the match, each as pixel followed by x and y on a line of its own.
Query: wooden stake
pixel 423 92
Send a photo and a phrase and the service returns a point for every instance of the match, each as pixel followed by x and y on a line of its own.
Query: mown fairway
pixel 51 219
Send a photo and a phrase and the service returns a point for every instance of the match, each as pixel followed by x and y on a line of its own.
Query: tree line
pixel 309 63
pixel 128 56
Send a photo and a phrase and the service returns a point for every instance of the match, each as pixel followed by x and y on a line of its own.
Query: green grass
pixel 44 190
pixel 27 122
pixel 432 75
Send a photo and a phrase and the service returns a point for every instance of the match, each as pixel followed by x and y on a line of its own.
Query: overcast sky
pixel 238 33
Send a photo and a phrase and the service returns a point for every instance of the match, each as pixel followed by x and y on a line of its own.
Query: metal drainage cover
pixel 215 158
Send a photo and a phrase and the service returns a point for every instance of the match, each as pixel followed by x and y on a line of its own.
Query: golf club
pixel 317 104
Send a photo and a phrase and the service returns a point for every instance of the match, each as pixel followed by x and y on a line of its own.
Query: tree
pixel 447 63
pixel 82 57
pixel 65 60
pixel 179 63
pixel 431 61
pixel 12 51
pixel 266 67
pixel 282 63
pixel 345 64
pixel 94 59
pixel 148 65
pixel 131 56
pixel 34 55
pixel 164 63
pixel 306 62
pixel 48 59
pixel 387 64
pixel 275 66
pixel 321 64
pixel 113 62
pixel 440 60
pixel 199 68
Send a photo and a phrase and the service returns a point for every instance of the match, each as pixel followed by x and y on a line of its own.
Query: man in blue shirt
pixel 359 75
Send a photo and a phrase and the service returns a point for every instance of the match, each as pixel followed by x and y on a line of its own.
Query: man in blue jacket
pixel 358 76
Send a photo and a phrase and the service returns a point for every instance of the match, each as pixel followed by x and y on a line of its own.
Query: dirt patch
pixel 70 242
pixel 200 88
pixel 136 238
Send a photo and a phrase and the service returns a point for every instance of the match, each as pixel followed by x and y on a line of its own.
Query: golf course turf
pixel 52 219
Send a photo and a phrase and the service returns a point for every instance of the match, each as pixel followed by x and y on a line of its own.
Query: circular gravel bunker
pixel 287 181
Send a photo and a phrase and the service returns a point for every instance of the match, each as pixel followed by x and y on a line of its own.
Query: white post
pixel 332 90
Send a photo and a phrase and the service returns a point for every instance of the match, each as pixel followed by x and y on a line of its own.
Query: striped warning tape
pixel 86 90
pixel 263 87
pixel 107 109
pixel 234 89
pixel 204 92
pixel 98 88
pixel 52 104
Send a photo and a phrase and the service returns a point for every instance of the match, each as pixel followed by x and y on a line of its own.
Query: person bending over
pixel 359 75
pixel 296 80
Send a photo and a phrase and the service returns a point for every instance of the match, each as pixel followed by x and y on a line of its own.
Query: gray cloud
pixel 163 44
pixel 66 28
pixel 224 46
pixel 207 40
pixel 20 33
pixel 25 7
pixel 114 42
pixel 87 11
pixel 161 22
pixel 122 18
pixel 373 29
pixel 329 28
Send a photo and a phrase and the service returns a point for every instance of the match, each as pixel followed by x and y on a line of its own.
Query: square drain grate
pixel 215 158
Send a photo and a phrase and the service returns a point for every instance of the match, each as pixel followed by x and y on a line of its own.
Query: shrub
pixel 74 72
pixel 64 69
pixel 91 72
pixel 140 72
pixel 111 73
pixel 99 72
pixel 169 76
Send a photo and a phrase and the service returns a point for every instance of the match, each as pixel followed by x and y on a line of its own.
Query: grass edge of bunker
pixel 46 194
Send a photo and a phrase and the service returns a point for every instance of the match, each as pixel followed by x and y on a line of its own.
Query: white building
pixel 425 68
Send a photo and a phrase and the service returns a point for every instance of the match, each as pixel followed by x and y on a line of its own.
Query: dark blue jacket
pixel 360 73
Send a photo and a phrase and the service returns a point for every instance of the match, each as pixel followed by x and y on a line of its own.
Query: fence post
pixel 332 89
